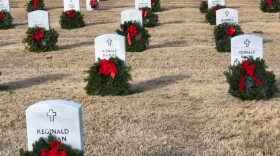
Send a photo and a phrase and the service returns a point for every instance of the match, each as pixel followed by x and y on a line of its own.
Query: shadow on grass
pixel 179 43
pixel 171 8
pixel 97 23
pixel 3 88
pixel 75 45
pixel 172 152
pixel 20 24
pixel 32 81
pixel 7 44
pixel 157 83
pixel 55 7
pixel 172 22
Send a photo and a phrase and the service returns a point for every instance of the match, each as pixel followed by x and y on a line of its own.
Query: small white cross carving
pixel 227 13
pixel 247 42
pixel 51 114
pixel 109 41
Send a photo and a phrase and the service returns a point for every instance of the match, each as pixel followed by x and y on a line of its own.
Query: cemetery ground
pixel 180 104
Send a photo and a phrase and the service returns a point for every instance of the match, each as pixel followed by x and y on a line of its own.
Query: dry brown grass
pixel 180 106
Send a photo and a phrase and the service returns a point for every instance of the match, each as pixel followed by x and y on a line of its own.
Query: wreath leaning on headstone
pixel 223 34
pixel 33 5
pixel 50 146
pixel 249 80
pixel 203 6
pixel 71 19
pixel 108 77
pixel 150 19
pixel 41 40
pixel 155 5
pixel 210 16
pixel 270 6
pixel 6 20
pixel 137 37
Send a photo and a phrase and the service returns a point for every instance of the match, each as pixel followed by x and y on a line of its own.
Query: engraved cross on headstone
pixel 227 13
pixel 247 42
pixel 51 114
pixel 109 41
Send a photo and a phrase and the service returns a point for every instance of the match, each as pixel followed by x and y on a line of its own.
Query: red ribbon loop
pixel 131 34
pixel 217 10
pixel 71 14
pixel 250 69
pixel 108 67
pixel 35 3
pixel 93 3
pixel 2 16
pixel 39 35
pixel 144 13
pixel 268 2
pixel 231 31
pixel 54 150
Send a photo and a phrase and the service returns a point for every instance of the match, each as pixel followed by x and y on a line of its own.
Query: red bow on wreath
pixel 217 10
pixel 144 13
pixel 231 31
pixel 131 34
pixel 2 17
pixel 93 3
pixel 54 150
pixel 108 67
pixel 250 69
pixel 268 2
pixel 35 3
pixel 39 35
pixel 71 14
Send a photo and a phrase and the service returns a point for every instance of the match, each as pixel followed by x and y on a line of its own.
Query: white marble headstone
pixel 143 3
pixel 132 15
pixel 212 3
pixel 72 5
pixel 227 15
pixel 89 7
pixel 39 18
pixel 62 119
pixel 5 5
pixel 244 46
pixel 110 45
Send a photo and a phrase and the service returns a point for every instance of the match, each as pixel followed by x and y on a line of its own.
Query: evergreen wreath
pixel 270 6
pixel 6 20
pixel 248 83
pixel 203 6
pixel 108 77
pixel 35 5
pixel 223 34
pixel 137 37
pixel 71 19
pixel 48 146
pixel 210 16
pixel 150 19
pixel 155 5
pixel 41 40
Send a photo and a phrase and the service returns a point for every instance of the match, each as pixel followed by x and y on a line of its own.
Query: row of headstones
pixel 242 46
pixel 63 119
pixel 40 18
pixel 75 4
